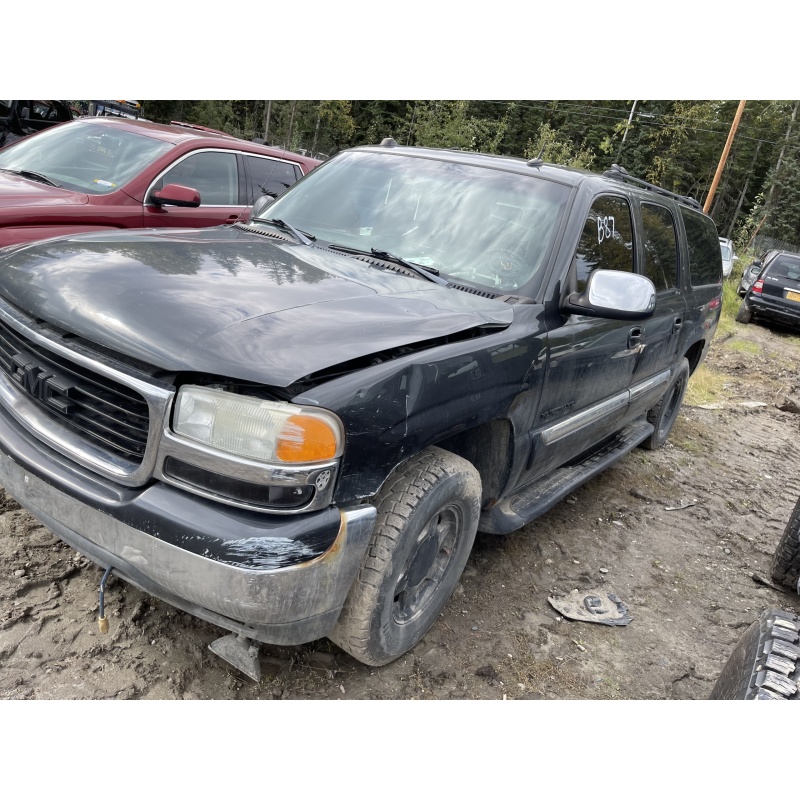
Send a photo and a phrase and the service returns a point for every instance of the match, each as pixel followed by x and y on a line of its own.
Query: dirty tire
pixel 664 414
pixel 427 518
pixel 744 314
pixel 764 662
pixel 786 560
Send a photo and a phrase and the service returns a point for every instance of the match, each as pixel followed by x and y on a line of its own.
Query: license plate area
pixel 793 296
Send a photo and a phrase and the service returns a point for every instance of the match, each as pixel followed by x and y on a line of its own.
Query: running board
pixel 512 512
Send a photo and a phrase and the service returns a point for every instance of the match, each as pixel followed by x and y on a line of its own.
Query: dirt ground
pixel 682 536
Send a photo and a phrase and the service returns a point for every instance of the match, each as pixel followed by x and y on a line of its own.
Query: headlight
pixel 262 430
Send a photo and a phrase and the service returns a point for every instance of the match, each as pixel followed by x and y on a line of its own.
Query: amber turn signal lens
pixel 305 438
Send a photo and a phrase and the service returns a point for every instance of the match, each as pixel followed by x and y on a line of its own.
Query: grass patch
pixel 691 436
pixel 744 346
pixel 705 386
pixel 730 305
pixel 550 677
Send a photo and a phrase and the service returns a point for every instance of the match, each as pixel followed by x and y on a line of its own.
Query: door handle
pixel 634 338
pixel 677 325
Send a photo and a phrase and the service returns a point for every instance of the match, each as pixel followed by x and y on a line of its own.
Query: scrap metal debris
pixel 592 606
pixel 769 584
pixel 679 508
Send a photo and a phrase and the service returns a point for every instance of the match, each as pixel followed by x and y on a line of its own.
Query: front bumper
pixel 281 580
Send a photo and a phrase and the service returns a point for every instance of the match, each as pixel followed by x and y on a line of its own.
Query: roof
pixel 180 133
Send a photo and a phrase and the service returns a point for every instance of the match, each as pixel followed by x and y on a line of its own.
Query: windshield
pixel 726 251
pixel 84 157
pixel 486 226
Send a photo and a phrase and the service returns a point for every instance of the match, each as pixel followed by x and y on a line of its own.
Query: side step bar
pixel 512 512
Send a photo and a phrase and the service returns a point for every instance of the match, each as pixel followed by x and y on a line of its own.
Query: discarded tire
pixel 764 663
pixel 786 561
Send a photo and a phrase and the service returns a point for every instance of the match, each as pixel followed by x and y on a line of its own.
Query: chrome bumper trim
pixel 300 602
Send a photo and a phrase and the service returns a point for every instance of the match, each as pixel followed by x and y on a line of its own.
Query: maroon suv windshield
pixel 83 157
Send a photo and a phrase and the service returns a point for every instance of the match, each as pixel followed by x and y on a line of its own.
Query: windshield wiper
pixel 306 239
pixel 423 272
pixel 34 176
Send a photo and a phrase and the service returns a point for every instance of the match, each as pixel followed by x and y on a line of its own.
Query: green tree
pixel 556 150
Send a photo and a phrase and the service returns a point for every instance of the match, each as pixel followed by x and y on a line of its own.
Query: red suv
pixel 100 173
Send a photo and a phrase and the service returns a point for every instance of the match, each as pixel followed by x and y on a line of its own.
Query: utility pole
pixel 724 156
pixel 291 125
pixel 630 118
pixel 267 112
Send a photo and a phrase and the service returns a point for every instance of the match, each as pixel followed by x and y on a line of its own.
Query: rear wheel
pixel 744 314
pixel 427 519
pixel 764 662
pixel 664 414
pixel 786 560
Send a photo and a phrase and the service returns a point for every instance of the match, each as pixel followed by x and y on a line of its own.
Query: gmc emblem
pixel 50 389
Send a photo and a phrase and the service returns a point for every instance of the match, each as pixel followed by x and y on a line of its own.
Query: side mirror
pixel 173 194
pixel 614 295
pixel 261 203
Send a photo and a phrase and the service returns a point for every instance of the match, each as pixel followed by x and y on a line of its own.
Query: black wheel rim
pixel 427 564
pixel 672 406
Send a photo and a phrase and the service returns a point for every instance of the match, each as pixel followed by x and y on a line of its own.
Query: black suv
pixel 774 295
pixel 294 427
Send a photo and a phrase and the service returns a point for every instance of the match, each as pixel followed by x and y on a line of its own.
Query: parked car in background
pixel 775 293
pixel 104 173
pixel 765 664
pixel 130 109
pixel 751 271
pixel 728 256
pixel 20 118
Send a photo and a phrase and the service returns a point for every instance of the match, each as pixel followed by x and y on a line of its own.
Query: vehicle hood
pixel 19 192
pixel 228 302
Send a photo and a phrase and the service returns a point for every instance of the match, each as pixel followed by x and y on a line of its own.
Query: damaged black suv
pixel 293 427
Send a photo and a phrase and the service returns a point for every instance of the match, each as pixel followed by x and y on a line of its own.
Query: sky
pixel 411 50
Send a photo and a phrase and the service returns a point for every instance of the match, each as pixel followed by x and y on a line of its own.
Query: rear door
pixel 662 334
pixel 270 176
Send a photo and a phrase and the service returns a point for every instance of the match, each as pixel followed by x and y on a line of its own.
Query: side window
pixel 606 241
pixel 270 176
pixel 214 175
pixel 660 246
pixel 705 257
pixel 44 111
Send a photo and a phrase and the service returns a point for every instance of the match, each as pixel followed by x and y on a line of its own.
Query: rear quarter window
pixel 705 258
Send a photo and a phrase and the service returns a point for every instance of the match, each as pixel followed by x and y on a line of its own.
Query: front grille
pixel 114 417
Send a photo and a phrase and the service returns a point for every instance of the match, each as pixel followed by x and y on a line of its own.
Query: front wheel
pixel 427 519
pixel 664 414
